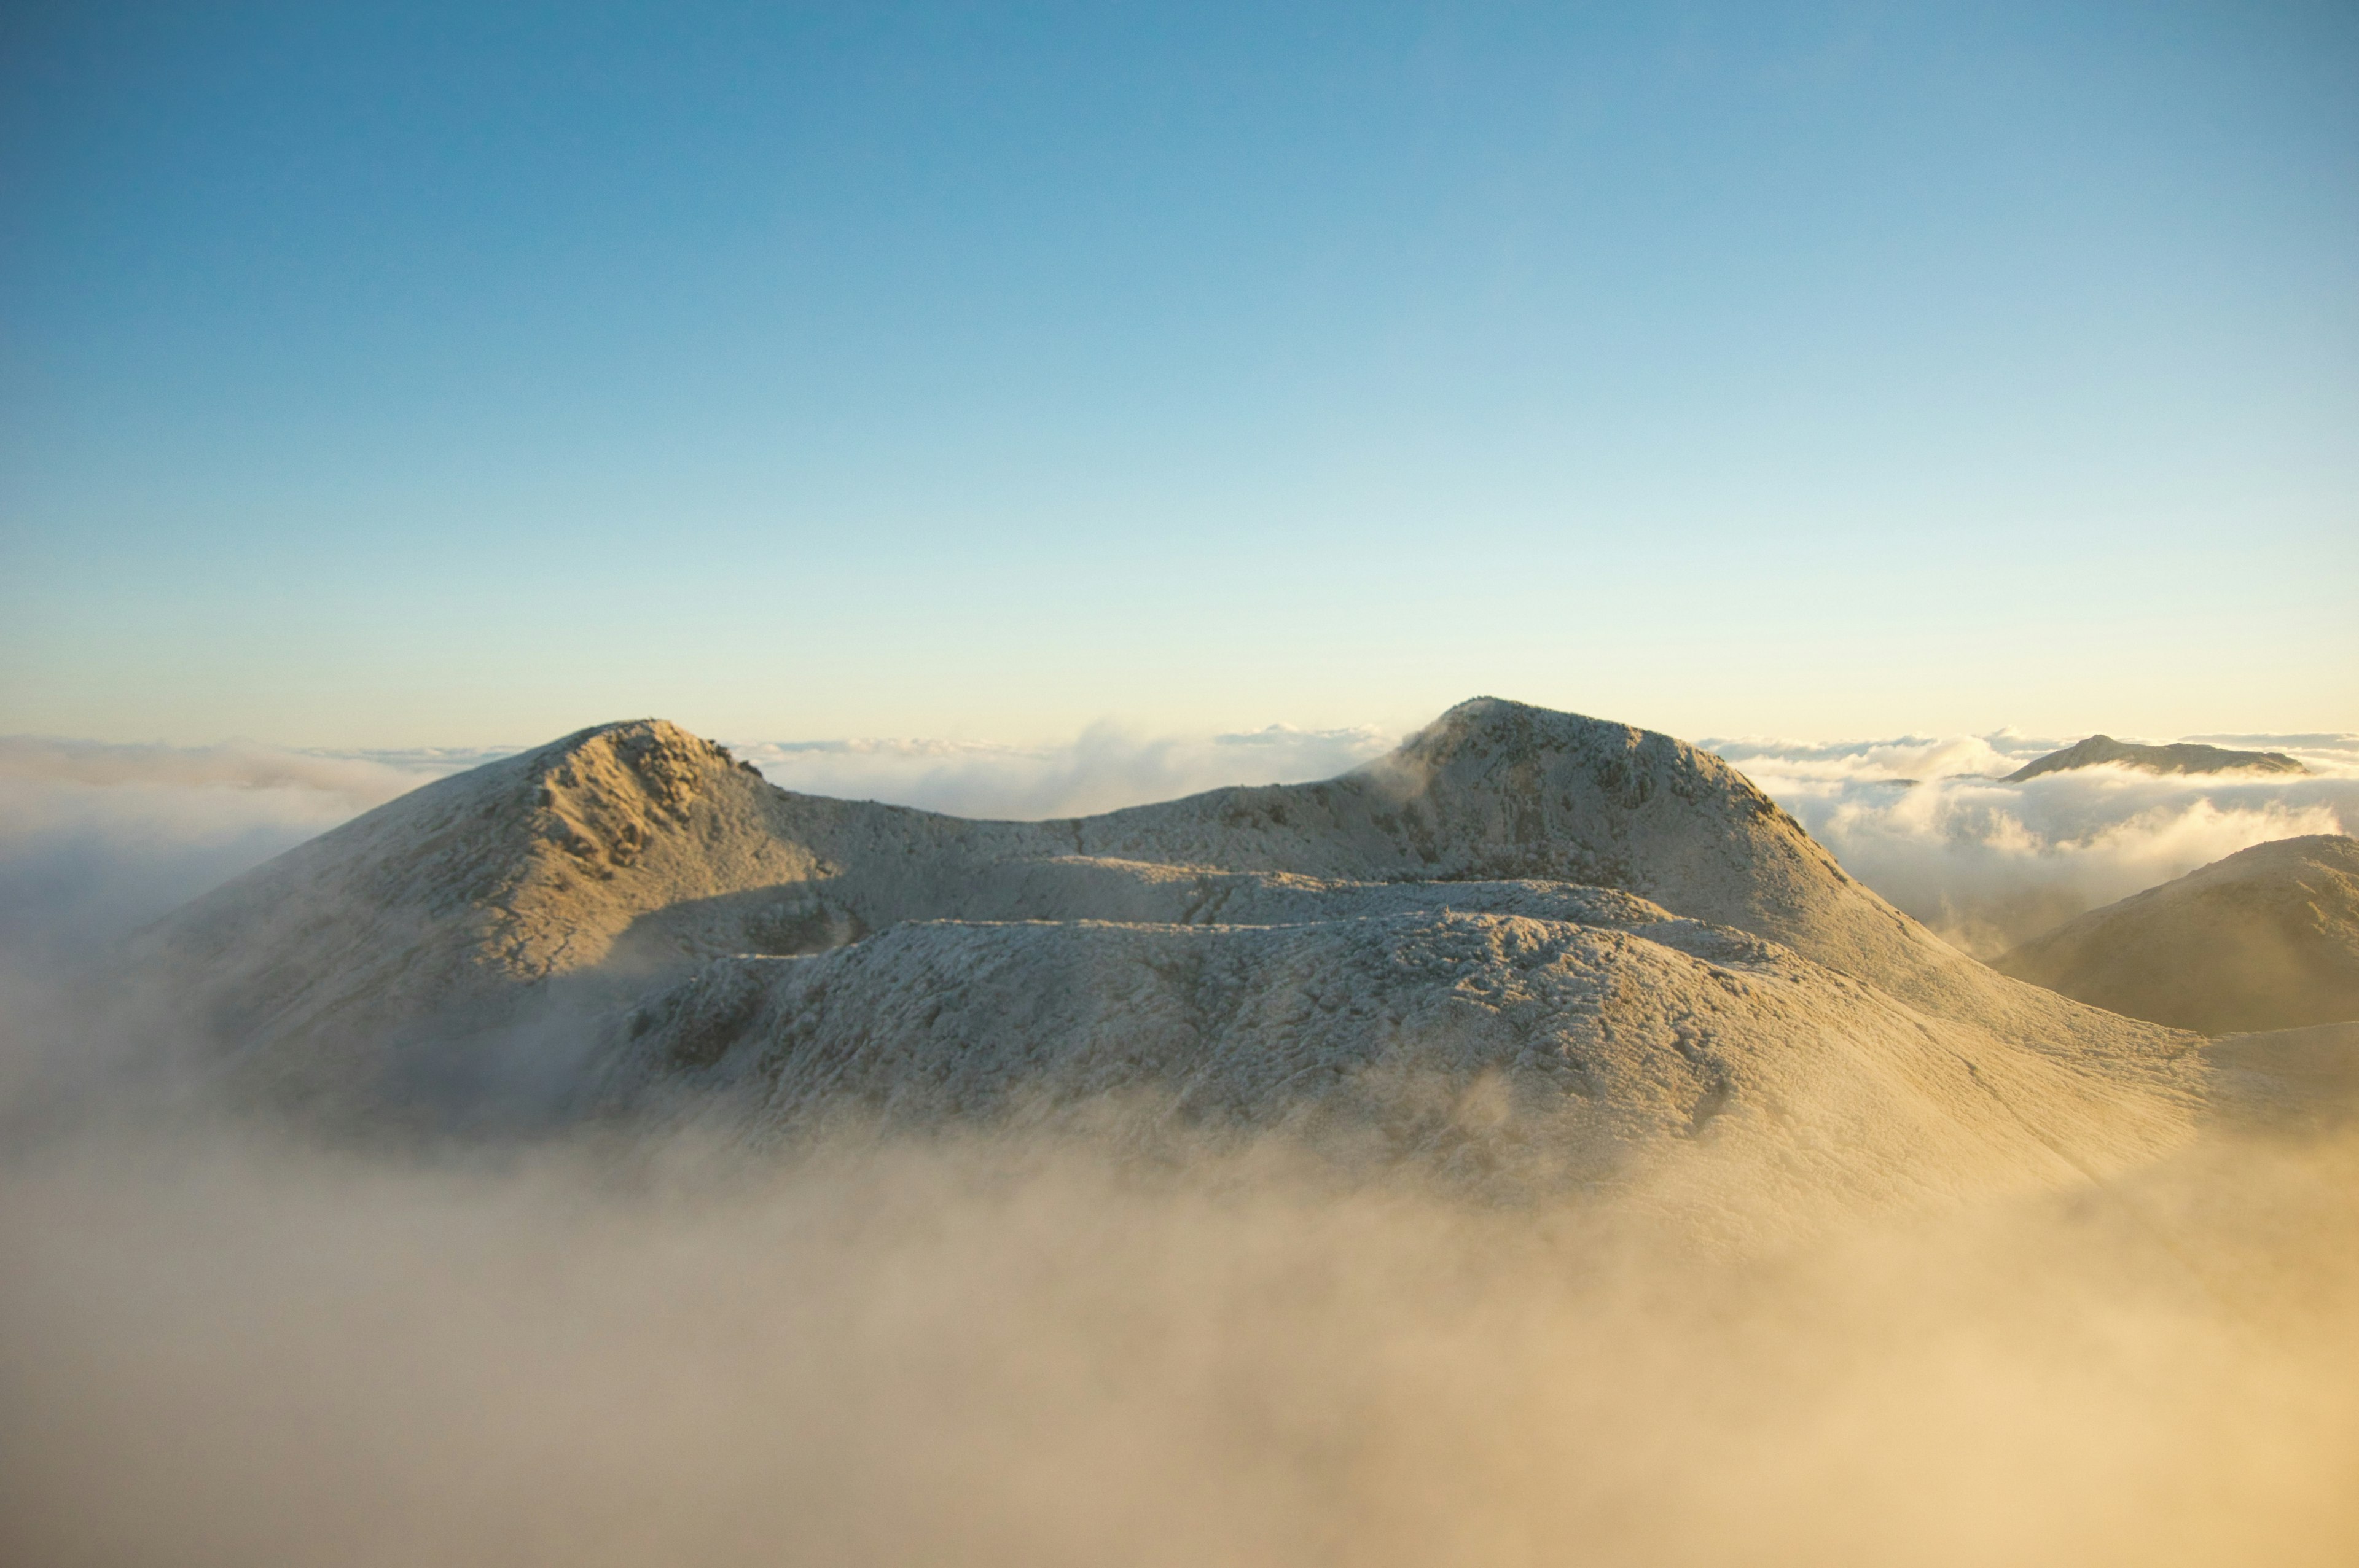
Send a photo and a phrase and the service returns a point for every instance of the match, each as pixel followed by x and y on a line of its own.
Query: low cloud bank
pixel 361 779
pixel 1929 824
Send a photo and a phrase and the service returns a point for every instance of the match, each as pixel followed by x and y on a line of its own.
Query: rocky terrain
pixel 1583 940
pixel 2186 757
pixel 2266 939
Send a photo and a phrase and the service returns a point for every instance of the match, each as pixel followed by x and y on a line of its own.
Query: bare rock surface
pixel 2267 938
pixel 2185 757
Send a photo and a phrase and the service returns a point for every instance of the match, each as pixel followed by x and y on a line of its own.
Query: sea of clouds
pixel 1933 825
pixel 224 1342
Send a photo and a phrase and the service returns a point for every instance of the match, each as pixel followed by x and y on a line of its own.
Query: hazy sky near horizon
pixel 443 374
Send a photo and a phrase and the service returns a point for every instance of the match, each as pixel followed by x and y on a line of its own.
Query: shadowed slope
pixel 2267 938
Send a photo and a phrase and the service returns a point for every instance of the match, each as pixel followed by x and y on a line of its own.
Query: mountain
pixel 2187 757
pixel 1618 928
pixel 632 848
pixel 2267 938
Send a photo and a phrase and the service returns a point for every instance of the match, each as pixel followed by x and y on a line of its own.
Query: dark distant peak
pixel 2184 758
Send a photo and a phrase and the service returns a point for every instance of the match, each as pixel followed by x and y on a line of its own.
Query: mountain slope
pixel 2267 938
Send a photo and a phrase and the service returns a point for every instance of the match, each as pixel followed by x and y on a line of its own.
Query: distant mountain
pixel 2267 938
pixel 1629 935
pixel 2183 758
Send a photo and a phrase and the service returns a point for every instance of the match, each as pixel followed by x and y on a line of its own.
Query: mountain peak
pixel 607 782
pixel 2185 757
pixel 1541 760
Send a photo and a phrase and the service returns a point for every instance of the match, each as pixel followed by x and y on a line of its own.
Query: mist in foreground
pixel 222 1344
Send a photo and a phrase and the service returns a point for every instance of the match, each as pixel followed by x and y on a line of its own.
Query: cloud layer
pixel 1929 824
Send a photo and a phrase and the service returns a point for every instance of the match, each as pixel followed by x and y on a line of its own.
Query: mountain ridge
pixel 543 864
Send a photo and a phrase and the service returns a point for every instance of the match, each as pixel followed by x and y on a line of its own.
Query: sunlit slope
pixel 2267 938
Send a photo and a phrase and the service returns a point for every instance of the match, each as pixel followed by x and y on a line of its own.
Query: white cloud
pixel 1929 823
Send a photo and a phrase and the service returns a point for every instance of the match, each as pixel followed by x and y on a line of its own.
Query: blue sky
pixel 385 376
